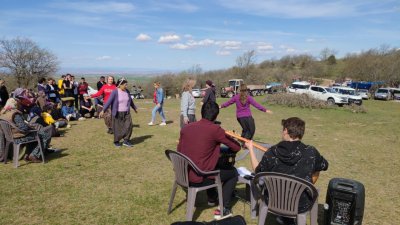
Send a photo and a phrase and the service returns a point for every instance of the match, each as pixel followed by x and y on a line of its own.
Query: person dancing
pixel 158 99
pixel 243 112
pixel 105 91
pixel 119 101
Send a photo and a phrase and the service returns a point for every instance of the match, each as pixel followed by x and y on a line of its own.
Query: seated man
pixel 68 111
pixel 291 156
pixel 200 141
pixel 87 109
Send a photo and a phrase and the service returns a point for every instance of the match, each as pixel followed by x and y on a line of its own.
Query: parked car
pixel 383 94
pixel 299 87
pixel 196 93
pixel 364 94
pixel 396 93
pixel 350 93
pixel 327 94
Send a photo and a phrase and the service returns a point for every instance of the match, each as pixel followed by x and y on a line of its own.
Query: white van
pixel 299 87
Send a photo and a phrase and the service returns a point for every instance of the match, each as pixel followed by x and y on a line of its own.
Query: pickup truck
pixel 327 94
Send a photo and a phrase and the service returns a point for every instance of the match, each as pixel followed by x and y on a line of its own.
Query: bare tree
pixel 26 61
pixel 326 53
pixel 245 63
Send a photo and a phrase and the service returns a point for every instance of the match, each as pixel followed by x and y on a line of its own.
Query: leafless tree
pixel 245 63
pixel 26 61
pixel 326 53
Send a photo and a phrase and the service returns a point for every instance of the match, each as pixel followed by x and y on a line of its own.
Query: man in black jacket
pixel 291 156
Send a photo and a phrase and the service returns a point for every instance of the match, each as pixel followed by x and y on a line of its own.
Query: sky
pixel 177 35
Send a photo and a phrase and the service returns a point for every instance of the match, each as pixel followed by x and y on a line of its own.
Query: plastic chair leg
pixel 40 147
pixel 302 219
pixel 314 214
pixel 6 150
pixel 171 200
pixel 190 203
pixel 220 198
pixel 262 215
pixel 16 154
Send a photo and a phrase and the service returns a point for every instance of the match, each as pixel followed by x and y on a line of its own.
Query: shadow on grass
pixel 140 139
pixel 56 155
pixel 169 121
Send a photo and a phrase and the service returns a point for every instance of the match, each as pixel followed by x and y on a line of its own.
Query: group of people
pixel 201 141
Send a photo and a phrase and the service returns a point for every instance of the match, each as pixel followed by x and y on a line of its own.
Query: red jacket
pixel 83 88
pixel 105 91
pixel 200 141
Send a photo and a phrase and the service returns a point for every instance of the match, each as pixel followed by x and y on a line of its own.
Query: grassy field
pixel 92 182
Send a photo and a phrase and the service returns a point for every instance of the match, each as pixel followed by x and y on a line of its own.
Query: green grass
pixel 92 182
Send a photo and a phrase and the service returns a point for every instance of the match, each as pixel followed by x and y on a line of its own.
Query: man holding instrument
pixel 200 141
pixel 291 156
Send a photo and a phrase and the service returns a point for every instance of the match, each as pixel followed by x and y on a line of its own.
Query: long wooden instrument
pixel 240 138
pixel 262 148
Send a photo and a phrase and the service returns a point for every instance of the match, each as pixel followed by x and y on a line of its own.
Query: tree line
pixel 25 62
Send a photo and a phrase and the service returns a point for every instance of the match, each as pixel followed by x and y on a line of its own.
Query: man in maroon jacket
pixel 200 141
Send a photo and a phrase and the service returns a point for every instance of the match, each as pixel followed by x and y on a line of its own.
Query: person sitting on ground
pixel 13 115
pixel 291 156
pixel 87 108
pixel 200 141
pixel 68 111
pixel 49 120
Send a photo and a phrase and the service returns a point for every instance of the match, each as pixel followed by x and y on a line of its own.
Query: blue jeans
pixel 160 110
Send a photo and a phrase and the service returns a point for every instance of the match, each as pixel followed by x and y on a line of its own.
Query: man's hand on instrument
pixel 269 111
pixel 249 145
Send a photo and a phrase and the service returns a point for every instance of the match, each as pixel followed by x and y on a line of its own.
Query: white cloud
pixel 264 47
pixel 205 42
pixel 310 40
pixel 290 50
pixel 104 57
pixel 229 45
pixel 96 7
pixel 180 46
pixel 169 39
pixel 223 52
pixel 188 36
pixel 143 37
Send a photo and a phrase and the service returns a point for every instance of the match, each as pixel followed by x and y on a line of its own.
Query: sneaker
pixel 53 150
pixel 81 118
pixel 68 126
pixel 117 144
pixel 285 221
pixel 151 124
pixel 218 216
pixel 163 124
pixel 127 144
pixel 110 131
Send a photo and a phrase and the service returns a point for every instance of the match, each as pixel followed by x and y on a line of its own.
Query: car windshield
pixel 362 91
pixel 346 92
pixel 299 86
pixel 382 91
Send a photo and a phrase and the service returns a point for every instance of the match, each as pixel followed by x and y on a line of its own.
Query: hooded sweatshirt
pixel 294 158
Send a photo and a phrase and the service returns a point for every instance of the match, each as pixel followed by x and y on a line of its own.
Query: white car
pixel 299 87
pixel 350 93
pixel 327 94
pixel 196 93
pixel 364 93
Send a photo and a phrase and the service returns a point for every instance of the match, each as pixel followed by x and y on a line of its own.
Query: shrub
pixel 296 100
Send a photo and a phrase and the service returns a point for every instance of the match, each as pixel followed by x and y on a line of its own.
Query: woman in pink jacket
pixel 243 113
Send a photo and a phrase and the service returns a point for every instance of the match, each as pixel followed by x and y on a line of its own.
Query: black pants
pixel 248 127
pixel 229 179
